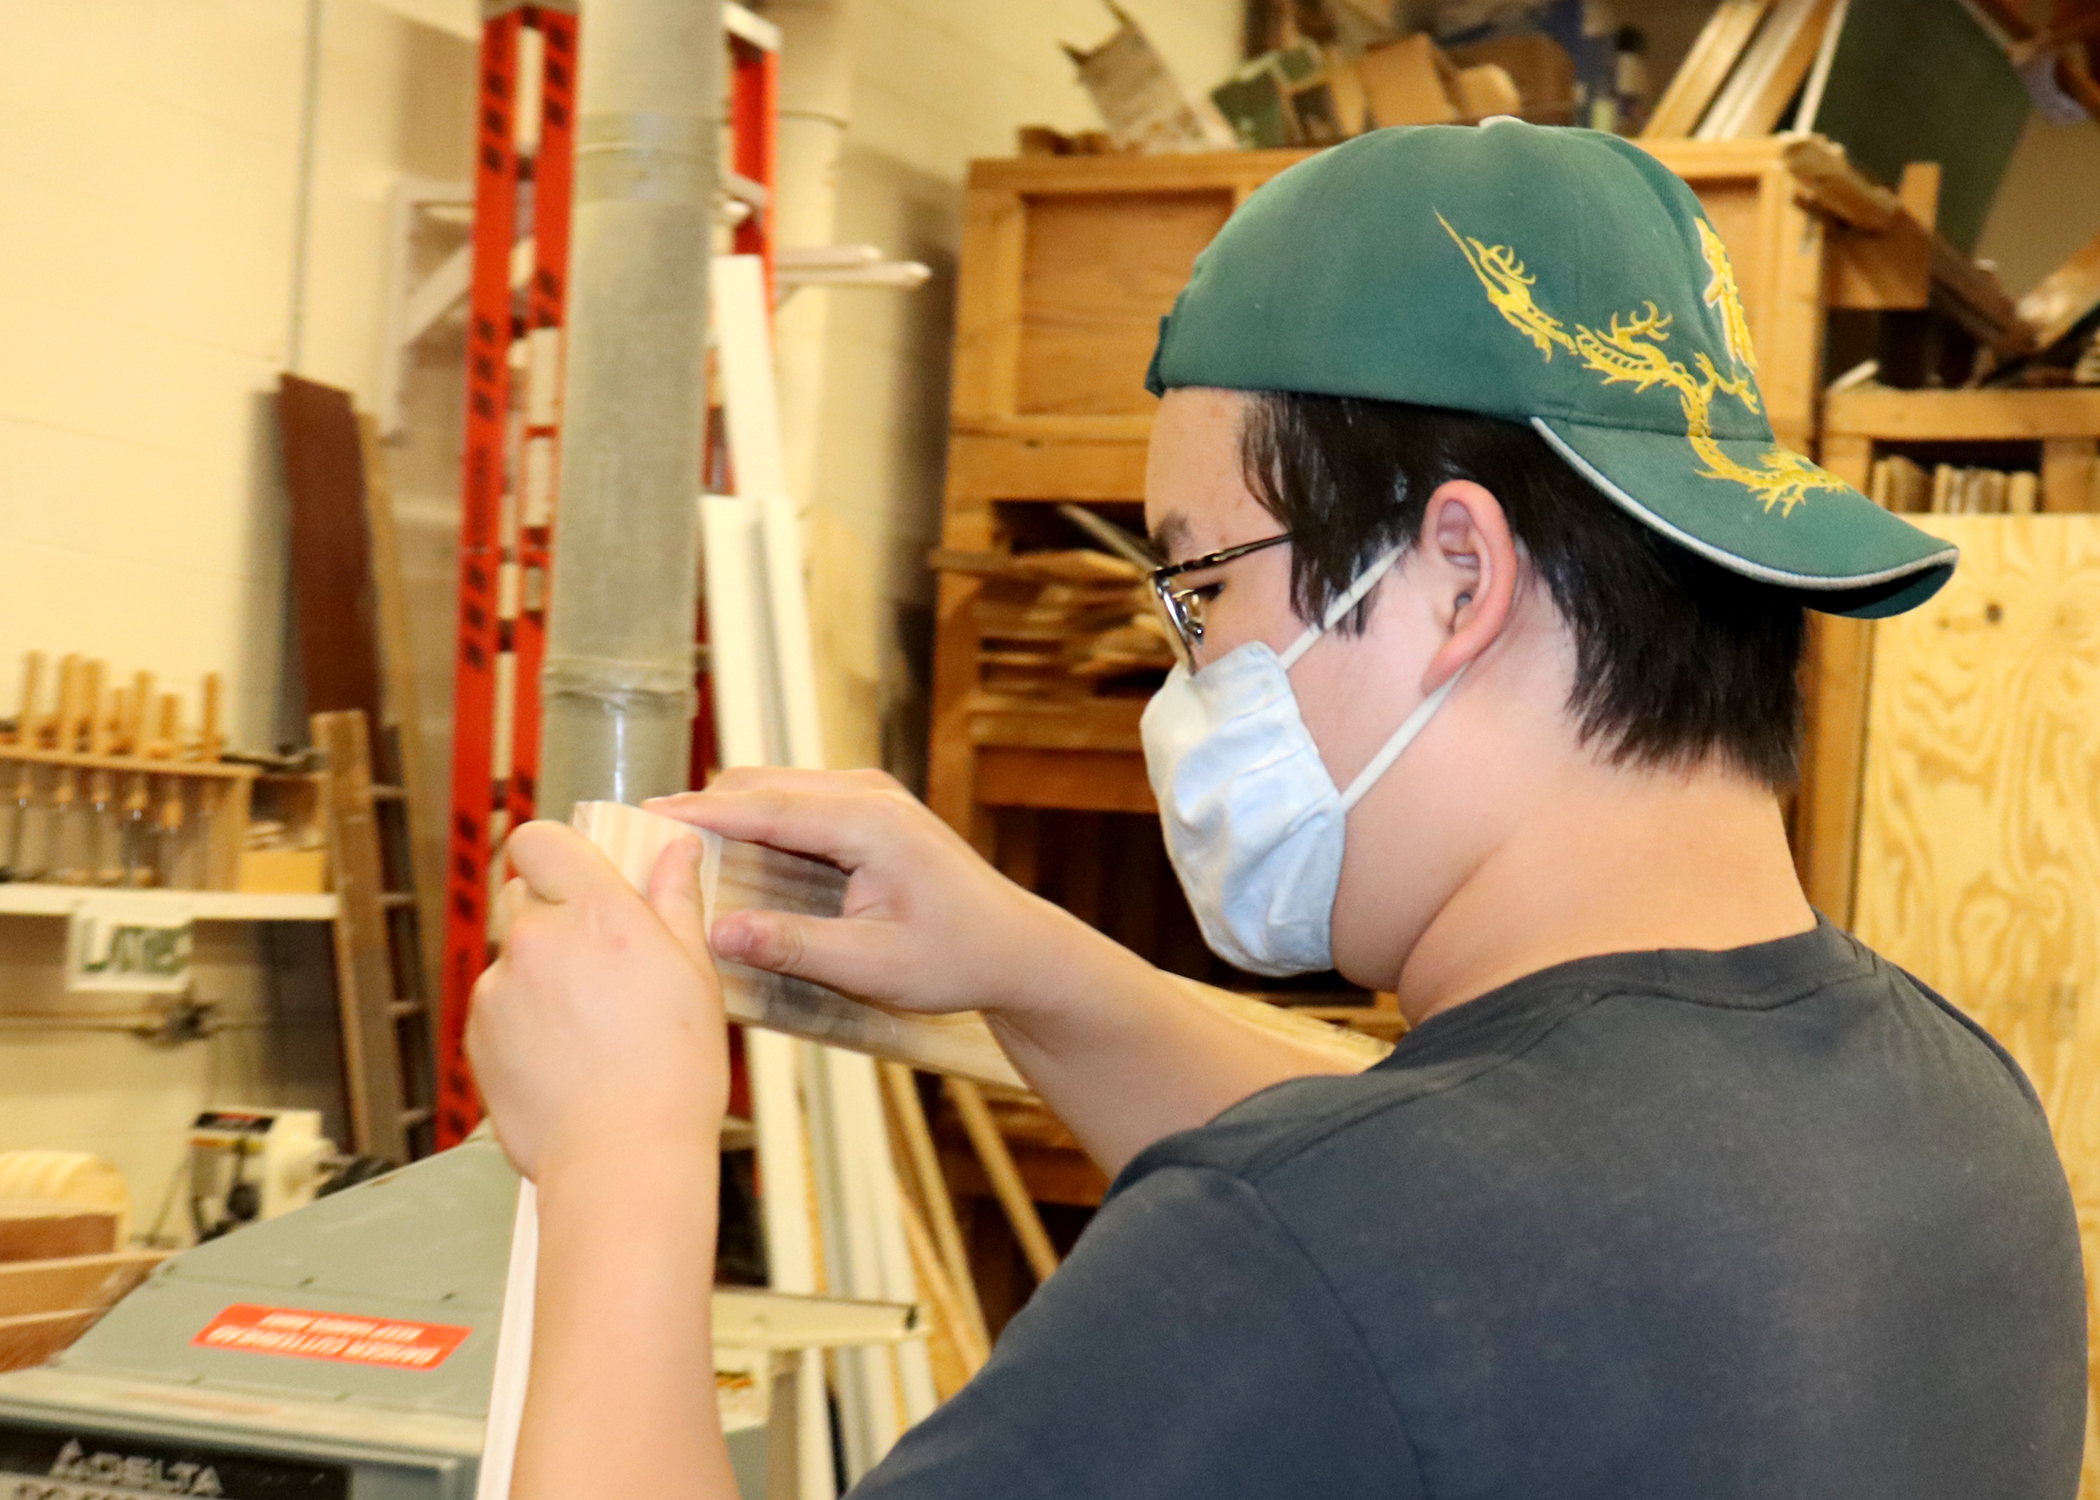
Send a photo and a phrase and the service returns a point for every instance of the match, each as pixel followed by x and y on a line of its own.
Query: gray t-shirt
pixel 1682 1225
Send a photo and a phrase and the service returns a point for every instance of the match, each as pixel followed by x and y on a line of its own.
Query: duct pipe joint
pixel 644 154
pixel 637 689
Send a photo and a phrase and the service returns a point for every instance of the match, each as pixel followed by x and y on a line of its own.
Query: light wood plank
pixel 1705 69
pixel 1772 68
pixel 428 809
pixel 364 966
pixel 72 1282
pixel 1833 748
pixel 998 1163
pixel 35 1337
pixel 1790 342
pixel 1098 272
pixel 2060 301
pixel 1952 416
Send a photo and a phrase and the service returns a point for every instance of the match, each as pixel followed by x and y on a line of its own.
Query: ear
pixel 1472 571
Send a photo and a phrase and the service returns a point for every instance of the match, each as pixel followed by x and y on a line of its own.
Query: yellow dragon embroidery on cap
pixel 1630 352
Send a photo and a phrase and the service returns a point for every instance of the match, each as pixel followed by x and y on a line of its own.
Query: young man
pixel 1672 1191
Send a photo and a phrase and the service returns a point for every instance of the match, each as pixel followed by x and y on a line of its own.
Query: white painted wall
pixel 148 185
pixel 936 83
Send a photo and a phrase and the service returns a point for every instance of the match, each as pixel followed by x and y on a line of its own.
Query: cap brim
pixel 1838 550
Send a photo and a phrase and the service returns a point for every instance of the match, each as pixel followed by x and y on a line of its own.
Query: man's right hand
pixel 1121 1052
pixel 928 925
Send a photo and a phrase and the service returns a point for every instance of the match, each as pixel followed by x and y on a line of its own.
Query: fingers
pixel 557 863
pixel 789 778
pixel 846 825
pixel 674 894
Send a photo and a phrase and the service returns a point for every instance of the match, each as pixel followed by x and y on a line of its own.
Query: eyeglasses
pixel 1185 607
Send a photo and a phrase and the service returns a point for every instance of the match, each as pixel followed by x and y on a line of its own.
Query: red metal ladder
pixel 513 436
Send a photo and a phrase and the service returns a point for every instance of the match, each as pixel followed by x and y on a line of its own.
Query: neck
pixel 1622 862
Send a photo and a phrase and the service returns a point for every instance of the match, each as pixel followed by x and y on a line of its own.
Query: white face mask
pixel 1253 821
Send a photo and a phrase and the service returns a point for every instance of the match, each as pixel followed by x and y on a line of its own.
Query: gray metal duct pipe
pixel 618 675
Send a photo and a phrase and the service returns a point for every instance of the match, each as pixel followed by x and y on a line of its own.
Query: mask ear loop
pixel 1404 736
pixel 1365 582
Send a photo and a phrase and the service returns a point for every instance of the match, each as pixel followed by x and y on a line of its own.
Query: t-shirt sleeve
pixel 1188 1347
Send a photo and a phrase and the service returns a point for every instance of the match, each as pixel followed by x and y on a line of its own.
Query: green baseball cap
pixel 1559 277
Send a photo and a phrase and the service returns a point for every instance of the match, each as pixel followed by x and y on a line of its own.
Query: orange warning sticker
pixel 339 1336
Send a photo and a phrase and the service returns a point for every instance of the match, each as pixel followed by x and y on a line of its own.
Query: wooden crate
pixel 1068 263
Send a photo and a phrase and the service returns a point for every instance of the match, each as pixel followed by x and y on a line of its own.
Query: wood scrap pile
pixel 1062 624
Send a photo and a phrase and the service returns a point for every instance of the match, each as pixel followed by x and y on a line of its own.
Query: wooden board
pixel 77 1281
pixel 2000 416
pixel 35 1337
pixel 1980 837
pixel 2063 298
pixel 1771 71
pixel 364 964
pixel 1705 68
pixel 36 1230
pixel 736 876
pixel 331 548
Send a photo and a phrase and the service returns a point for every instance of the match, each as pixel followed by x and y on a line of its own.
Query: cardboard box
pixel 1486 91
pixel 284 872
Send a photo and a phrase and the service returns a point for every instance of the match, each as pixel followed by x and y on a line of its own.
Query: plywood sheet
pixel 1099 270
pixel 1980 834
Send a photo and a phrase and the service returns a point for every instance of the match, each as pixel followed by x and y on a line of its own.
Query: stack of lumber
pixel 1063 624
pixel 60 1269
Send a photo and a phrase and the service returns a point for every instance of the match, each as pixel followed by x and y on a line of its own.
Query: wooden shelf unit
pixel 36 900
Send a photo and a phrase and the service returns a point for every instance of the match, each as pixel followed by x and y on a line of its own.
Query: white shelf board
pixel 31 900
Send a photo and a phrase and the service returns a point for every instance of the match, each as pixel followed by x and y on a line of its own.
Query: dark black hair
pixel 1678 660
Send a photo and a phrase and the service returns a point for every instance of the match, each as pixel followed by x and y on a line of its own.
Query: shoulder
pixel 1637 1040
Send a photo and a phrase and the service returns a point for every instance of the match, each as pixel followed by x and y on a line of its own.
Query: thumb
pixel 853 956
pixel 674 894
